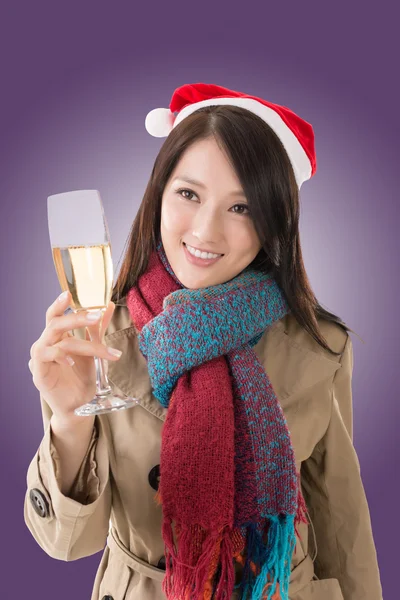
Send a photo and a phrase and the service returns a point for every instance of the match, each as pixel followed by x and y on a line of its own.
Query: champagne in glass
pixel 81 249
pixel 87 272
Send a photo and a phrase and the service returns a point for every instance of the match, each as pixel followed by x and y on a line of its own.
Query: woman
pixel 243 380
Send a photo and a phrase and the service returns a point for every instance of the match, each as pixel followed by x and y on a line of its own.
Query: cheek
pixel 169 214
pixel 173 218
pixel 242 238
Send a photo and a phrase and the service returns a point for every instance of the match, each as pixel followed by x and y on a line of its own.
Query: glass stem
pixel 102 385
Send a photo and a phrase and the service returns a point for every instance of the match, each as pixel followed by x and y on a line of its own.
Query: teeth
pixel 199 254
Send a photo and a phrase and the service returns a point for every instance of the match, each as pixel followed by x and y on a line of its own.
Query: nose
pixel 207 228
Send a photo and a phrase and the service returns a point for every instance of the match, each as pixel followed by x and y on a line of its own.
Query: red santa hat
pixel 296 135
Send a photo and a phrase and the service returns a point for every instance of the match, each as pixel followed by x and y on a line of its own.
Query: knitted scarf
pixel 228 481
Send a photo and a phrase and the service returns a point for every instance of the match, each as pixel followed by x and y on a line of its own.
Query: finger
pixel 75 346
pixel 32 350
pixel 97 330
pixel 48 354
pixel 58 307
pixel 107 317
pixel 59 325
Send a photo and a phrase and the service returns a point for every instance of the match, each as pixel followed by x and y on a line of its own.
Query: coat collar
pixel 291 358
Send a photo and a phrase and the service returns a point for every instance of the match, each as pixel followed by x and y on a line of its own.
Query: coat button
pixel 161 563
pixel 39 502
pixel 154 477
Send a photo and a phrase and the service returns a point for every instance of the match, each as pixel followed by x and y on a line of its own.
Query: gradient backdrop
pixel 76 85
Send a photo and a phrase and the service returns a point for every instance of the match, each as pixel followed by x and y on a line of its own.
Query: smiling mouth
pixel 219 254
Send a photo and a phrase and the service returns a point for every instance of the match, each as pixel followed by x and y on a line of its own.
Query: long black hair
pixel 267 177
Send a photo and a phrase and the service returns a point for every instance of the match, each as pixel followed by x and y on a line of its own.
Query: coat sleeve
pixel 73 526
pixel 336 499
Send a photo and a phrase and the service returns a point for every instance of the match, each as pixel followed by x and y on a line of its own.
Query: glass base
pixel 105 404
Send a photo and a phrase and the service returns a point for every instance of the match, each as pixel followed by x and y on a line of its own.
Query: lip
pixel 200 262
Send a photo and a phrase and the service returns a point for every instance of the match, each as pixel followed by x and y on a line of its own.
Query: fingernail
pixel 63 296
pixel 114 352
pixel 93 316
pixel 70 360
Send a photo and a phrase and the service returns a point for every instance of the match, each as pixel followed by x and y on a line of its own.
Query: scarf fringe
pixel 255 555
pixel 225 591
pixel 301 514
pixel 196 580
pixel 281 542
pixel 269 582
pixel 217 557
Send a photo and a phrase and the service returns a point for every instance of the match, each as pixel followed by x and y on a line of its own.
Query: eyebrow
pixel 201 185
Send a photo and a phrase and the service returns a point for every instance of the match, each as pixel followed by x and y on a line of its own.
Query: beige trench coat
pixel 111 505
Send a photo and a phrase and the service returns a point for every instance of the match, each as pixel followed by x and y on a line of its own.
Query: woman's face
pixel 210 215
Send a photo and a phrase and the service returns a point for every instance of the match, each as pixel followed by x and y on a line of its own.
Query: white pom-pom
pixel 159 122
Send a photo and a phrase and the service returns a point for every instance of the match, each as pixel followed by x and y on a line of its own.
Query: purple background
pixel 76 87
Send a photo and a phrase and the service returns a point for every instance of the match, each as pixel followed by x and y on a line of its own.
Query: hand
pixel 64 385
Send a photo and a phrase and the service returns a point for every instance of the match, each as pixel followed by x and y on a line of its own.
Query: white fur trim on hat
pixel 159 122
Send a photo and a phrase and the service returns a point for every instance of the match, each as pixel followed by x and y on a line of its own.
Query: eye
pixel 183 190
pixel 243 206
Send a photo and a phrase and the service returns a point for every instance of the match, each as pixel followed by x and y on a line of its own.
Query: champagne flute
pixel 81 249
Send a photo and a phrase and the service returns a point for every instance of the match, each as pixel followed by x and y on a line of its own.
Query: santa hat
pixel 296 135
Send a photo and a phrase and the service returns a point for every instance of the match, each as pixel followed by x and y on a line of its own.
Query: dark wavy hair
pixel 266 174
